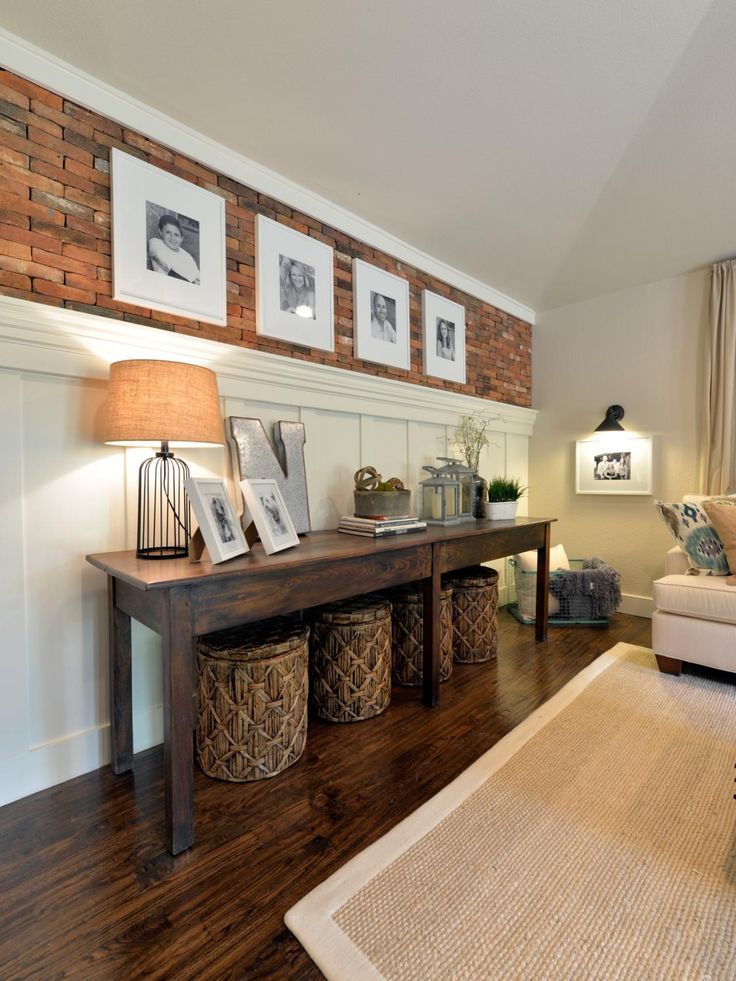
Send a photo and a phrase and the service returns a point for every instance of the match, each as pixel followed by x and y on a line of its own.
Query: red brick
pixel 60 204
pixel 92 120
pixel 30 90
pixel 15 249
pixel 147 146
pixel 28 268
pixel 9 233
pixel 63 292
pixel 100 201
pixel 123 307
pixel 28 149
pixel 32 179
pixel 93 284
pixel 88 228
pixel 62 148
pixel 91 256
pixel 85 178
pixel 13 95
pixel 64 262
pixel 184 163
pixel 23 206
pixel 8 217
pixel 29 118
pixel 14 280
pixel 62 177
pixel 11 126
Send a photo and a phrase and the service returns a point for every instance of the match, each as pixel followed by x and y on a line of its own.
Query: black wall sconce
pixel 611 423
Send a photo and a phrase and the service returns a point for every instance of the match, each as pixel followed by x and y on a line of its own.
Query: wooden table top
pixel 316 547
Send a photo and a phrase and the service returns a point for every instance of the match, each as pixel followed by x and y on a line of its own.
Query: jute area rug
pixel 596 840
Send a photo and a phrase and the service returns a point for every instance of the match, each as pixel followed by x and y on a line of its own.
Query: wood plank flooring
pixel 88 890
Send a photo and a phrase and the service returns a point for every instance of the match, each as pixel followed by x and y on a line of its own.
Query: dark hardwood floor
pixel 89 891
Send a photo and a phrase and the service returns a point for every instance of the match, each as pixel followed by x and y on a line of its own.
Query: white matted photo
pixel 443 329
pixel 168 242
pixel 294 286
pixel 614 464
pixel 267 509
pixel 216 518
pixel 380 316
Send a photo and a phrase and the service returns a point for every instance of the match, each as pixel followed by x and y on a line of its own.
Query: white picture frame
pixel 614 464
pixel 267 509
pixel 294 286
pixel 380 316
pixel 176 266
pixel 216 518
pixel 443 358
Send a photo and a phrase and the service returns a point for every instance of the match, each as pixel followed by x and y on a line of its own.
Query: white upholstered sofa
pixel 694 618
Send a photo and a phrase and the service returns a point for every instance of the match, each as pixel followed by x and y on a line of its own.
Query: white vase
pixel 501 510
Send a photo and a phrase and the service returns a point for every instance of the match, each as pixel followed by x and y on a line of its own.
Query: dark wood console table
pixel 181 600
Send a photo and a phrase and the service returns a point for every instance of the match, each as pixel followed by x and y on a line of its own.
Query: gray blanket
pixel 598 581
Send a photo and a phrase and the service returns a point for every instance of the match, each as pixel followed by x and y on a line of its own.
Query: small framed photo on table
pixel 168 242
pixel 614 464
pixel 216 518
pixel 267 509
pixel 381 316
pixel 443 328
pixel 294 286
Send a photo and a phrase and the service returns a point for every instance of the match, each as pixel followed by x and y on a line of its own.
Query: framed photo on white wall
pixel 168 242
pixel 443 329
pixel 614 464
pixel 380 316
pixel 294 286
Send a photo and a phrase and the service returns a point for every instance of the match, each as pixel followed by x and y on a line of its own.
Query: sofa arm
pixel 676 562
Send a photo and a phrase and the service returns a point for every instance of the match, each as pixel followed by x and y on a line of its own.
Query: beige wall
pixel 641 348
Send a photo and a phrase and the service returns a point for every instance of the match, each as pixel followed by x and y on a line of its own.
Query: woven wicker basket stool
pixel 408 630
pixel 474 613
pixel 252 686
pixel 351 659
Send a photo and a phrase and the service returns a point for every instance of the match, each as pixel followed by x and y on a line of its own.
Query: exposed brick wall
pixel 55 246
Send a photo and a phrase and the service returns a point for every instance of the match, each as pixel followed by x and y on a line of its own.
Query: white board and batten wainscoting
pixel 63 494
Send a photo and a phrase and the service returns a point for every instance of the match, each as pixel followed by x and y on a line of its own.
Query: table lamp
pixel 172 404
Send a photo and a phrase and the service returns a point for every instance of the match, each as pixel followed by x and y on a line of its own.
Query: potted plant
pixel 503 497
pixel 471 437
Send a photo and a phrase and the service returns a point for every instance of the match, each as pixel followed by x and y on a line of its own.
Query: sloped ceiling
pixel 555 151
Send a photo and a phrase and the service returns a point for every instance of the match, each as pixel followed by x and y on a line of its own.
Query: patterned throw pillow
pixel 693 530
pixel 722 513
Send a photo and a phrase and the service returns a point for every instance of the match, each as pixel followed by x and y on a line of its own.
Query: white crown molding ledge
pixel 57 341
pixel 72 83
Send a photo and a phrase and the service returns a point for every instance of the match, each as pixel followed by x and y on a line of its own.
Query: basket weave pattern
pixel 351 659
pixel 252 688
pixel 408 635
pixel 474 614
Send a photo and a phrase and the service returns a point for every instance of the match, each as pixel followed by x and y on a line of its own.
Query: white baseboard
pixel 63 759
pixel 637 606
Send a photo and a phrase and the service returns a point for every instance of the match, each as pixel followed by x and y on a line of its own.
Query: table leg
pixel 543 587
pixel 432 633
pixel 121 684
pixel 178 642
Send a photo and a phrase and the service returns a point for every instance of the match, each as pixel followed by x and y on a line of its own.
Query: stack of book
pixel 380 527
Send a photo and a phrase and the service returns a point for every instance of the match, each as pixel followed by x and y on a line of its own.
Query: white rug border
pixel 310 920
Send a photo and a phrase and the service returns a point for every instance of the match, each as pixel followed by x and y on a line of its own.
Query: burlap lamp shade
pixel 172 404
pixel 163 401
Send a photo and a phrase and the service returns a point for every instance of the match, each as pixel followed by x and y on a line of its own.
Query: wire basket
pixel 563 612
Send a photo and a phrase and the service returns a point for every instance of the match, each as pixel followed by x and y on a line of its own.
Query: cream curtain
pixel 719 451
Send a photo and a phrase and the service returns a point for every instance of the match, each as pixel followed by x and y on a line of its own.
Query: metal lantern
pixel 465 474
pixel 442 496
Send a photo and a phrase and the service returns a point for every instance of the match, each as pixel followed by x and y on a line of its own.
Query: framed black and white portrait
pixel 294 286
pixel 380 316
pixel 168 242
pixel 614 463
pixel 216 518
pixel 267 509
pixel 443 330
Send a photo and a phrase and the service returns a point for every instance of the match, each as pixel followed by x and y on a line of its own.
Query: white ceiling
pixel 555 151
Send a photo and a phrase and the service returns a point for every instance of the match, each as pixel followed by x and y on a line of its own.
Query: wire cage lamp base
pixel 164 516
